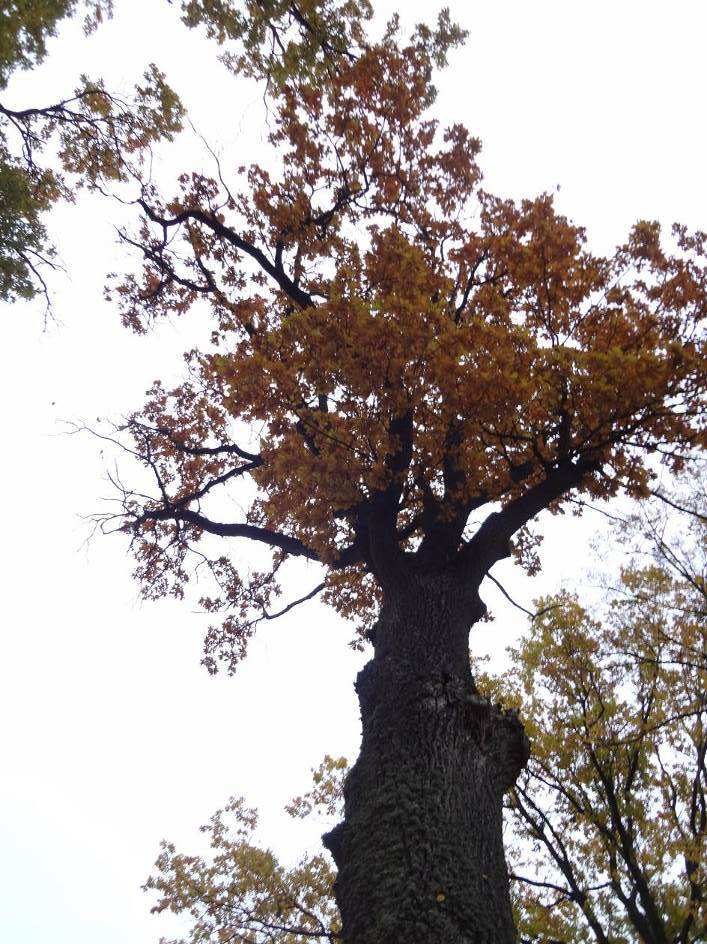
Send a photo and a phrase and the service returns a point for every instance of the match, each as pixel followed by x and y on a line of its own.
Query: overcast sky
pixel 113 736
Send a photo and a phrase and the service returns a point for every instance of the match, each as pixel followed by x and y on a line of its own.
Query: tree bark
pixel 420 851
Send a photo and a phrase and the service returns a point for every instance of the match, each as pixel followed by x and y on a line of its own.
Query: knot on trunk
pixel 443 692
pixel 500 735
pixel 333 841
pixel 497 733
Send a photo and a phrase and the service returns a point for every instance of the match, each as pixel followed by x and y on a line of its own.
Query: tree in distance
pixel 609 819
pixel 97 139
pixel 94 139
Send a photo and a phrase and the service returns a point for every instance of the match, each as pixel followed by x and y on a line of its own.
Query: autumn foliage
pixel 404 349
pixel 609 819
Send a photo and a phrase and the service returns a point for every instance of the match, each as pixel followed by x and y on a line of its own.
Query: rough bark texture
pixel 420 852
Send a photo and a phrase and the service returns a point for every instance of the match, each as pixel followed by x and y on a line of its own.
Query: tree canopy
pixel 413 351
pixel 102 137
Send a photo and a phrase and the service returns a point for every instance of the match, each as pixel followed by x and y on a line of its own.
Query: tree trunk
pixel 420 852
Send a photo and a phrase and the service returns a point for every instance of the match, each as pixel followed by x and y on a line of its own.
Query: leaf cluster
pixel 26 25
pixel 91 138
pixel 240 891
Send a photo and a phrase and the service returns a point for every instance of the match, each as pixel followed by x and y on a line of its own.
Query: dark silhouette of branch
pixel 533 616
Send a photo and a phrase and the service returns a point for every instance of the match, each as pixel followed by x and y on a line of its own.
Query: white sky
pixel 113 736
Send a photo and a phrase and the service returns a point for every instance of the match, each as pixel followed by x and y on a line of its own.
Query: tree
pixel 104 139
pixel 608 821
pixel 28 24
pixel 241 891
pixel 610 816
pixel 405 371
pixel 101 140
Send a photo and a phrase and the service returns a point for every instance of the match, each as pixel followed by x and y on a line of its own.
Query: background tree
pixel 278 39
pixel 240 890
pixel 90 138
pixel 407 370
pixel 610 816
pixel 95 137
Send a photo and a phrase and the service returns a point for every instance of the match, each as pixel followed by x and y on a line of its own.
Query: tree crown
pixel 410 348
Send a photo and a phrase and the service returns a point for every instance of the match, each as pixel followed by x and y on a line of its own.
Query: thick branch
pixel 284 542
pixel 491 542
pixel 276 539
pixel 276 272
